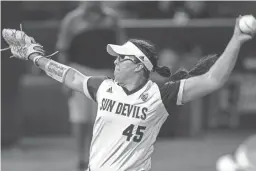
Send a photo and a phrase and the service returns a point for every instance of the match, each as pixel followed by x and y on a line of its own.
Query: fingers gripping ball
pixel 247 24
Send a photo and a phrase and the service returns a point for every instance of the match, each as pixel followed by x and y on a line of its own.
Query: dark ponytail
pixel 163 71
pixel 179 75
pixel 202 66
pixel 149 49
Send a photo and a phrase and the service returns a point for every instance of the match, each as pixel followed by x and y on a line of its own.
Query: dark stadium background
pixel 34 120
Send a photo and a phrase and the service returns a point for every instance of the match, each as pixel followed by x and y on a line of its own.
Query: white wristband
pixel 36 59
pixel 56 70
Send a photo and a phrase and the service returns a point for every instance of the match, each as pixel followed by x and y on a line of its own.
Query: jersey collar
pixel 134 90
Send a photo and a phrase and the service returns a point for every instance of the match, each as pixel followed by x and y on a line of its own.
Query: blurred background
pixel 36 129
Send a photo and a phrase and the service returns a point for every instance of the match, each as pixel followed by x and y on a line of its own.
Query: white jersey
pixel 127 123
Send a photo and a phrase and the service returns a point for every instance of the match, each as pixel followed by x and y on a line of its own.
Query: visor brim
pixel 115 50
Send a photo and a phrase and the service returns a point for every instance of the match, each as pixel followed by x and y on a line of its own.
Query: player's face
pixel 125 67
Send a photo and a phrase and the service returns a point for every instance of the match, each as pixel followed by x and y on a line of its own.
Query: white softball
pixel 247 24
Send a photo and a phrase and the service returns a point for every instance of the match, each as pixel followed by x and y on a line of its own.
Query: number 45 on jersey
pixel 138 135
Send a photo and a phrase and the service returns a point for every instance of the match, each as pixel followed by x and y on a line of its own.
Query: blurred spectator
pixel 182 11
pixel 151 9
pixel 179 10
pixel 84 34
pixel 228 98
pixel 191 10
pixel 168 58
pixel 196 9
pixel 222 9
pixel 192 56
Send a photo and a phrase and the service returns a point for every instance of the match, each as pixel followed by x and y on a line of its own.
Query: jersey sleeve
pixel 171 94
pixel 91 86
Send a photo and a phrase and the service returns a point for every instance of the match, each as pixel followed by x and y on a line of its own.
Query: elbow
pixel 70 79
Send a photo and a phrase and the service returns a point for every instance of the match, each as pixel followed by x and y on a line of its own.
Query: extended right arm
pixel 24 47
pixel 62 73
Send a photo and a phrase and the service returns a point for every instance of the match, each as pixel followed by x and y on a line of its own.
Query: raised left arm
pixel 219 73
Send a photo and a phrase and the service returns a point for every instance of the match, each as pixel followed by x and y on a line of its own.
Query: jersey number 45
pixel 139 133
